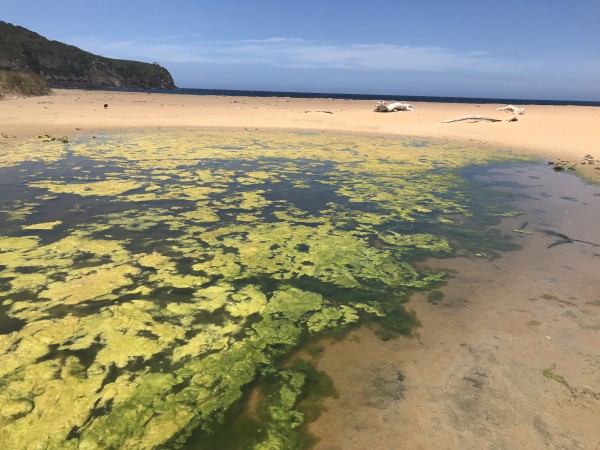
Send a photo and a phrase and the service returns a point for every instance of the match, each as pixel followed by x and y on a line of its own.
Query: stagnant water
pixel 156 286
pixel 479 372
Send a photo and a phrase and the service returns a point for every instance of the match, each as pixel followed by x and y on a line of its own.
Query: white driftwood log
pixel 474 118
pixel 512 109
pixel 382 106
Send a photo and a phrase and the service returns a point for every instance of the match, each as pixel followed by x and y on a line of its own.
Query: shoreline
pixel 551 132
pixel 343 96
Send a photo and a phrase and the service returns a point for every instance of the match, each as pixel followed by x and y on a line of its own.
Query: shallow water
pixel 156 286
pixel 477 376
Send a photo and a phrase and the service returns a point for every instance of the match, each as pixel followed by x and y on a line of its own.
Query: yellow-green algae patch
pixel 30 150
pixel 107 187
pixel 19 211
pixel 42 226
pixel 88 284
pixel 190 263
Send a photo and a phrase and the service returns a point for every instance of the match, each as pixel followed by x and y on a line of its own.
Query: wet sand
pixel 473 376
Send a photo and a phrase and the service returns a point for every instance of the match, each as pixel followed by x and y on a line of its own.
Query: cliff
pixel 63 65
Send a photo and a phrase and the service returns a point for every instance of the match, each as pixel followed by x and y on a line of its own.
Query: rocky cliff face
pixel 64 65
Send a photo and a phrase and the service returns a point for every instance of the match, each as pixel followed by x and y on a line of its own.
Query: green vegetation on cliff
pixel 64 65
pixel 21 84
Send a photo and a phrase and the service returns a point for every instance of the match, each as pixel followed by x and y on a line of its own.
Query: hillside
pixel 63 65
pixel 20 84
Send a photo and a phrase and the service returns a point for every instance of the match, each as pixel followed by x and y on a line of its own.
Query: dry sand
pixel 473 377
pixel 551 131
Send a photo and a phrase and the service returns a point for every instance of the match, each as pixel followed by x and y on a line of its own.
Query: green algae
pixel 43 226
pixel 279 413
pixel 521 231
pixel 107 187
pixel 31 150
pixel 190 264
pixel 549 373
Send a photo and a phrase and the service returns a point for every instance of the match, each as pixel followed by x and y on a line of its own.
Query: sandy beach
pixel 485 368
pixel 568 132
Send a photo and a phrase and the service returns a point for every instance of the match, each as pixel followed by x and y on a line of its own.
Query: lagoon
pixel 163 288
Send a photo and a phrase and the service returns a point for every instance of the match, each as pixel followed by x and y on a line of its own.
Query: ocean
pixel 412 98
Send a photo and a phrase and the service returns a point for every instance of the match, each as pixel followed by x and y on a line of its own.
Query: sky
pixel 528 49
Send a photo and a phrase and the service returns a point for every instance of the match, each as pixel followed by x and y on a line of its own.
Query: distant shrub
pixel 22 84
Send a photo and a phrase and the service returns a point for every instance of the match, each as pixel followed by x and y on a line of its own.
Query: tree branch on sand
pixel 382 106
pixel 472 118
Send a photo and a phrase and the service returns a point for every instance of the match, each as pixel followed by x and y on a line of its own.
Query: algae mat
pixel 149 279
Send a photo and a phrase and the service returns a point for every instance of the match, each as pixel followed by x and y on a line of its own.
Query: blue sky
pixel 542 49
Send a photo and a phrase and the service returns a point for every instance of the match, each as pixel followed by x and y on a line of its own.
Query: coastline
pixel 552 132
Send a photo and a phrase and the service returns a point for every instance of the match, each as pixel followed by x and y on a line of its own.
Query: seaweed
pixel 181 269
pixel 549 373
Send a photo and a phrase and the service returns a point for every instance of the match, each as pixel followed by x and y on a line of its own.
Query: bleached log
pixel 474 118
pixel 512 109
pixel 319 110
pixel 382 106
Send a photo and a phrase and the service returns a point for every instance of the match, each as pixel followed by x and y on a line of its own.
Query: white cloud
pixel 292 53
pixel 260 62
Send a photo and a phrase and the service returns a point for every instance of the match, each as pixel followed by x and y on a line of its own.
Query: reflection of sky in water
pixel 184 266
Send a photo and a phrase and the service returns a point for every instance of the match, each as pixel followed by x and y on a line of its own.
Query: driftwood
pixel 382 106
pixel 473 118
pixel 512 109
